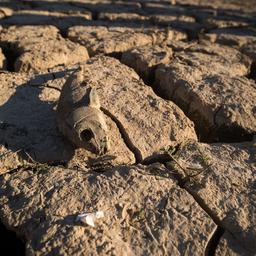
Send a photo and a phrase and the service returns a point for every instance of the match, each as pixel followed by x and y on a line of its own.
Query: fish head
pixel 89 129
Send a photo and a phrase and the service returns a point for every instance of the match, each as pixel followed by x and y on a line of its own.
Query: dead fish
pixel 79 116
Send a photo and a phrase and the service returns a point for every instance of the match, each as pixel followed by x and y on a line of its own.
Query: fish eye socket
pixel 86 135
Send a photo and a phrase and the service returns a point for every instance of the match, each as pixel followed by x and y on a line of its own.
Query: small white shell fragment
pixel 89 218
pixel 99 214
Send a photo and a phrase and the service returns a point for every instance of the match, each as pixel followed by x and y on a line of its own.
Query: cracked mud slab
pixel 173 16
pixel 223 59
pixel 150 122
pixel 109 6
pixel 220 99
pixel 236 37
pixel 145 212
pixel 226 185
pixel 198 54
pixel 61 20
pixel 29 117
pixel 217 99
pixel 236 5
pixel 223 21
pixel 119 38
pixel 28 125
pixel 117 17
pixel 65 7
pixel 144 59
pixel 40 48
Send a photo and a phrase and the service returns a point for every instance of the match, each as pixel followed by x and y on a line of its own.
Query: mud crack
pixel 213 241
pixel 181 182
pixel 11 56
pixel 252 73
pixel 10 242
pixel 125 136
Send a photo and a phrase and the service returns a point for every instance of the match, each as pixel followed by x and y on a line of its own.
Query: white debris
pixel 89 218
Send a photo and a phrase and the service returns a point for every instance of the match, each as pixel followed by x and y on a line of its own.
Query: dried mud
pixel 174 87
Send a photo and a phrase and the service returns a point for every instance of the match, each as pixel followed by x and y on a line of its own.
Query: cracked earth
pixel 174 91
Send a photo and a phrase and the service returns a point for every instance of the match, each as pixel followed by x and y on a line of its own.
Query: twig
pixel 176 161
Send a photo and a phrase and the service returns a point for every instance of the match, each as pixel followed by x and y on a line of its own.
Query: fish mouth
pixel 92 142
pixel 86 135
pixel 86 131
pixel 87 139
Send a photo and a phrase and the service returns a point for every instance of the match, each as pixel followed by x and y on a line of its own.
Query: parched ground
pixel 176 82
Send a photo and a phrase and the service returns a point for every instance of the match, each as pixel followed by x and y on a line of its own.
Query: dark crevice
pixel 216 113
pixel 151 77
pixel 10 243
pixel 223 134
pixel 63 33
pixel 213 242
pixel 252 73
pixel 235 134
pixel 192 35
pixel 202 204
pixel 11 56
pixel 148 79
pixel 125 136
pixel 116 55
pixel 158 158
pixel 95 15
pixel 162 158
